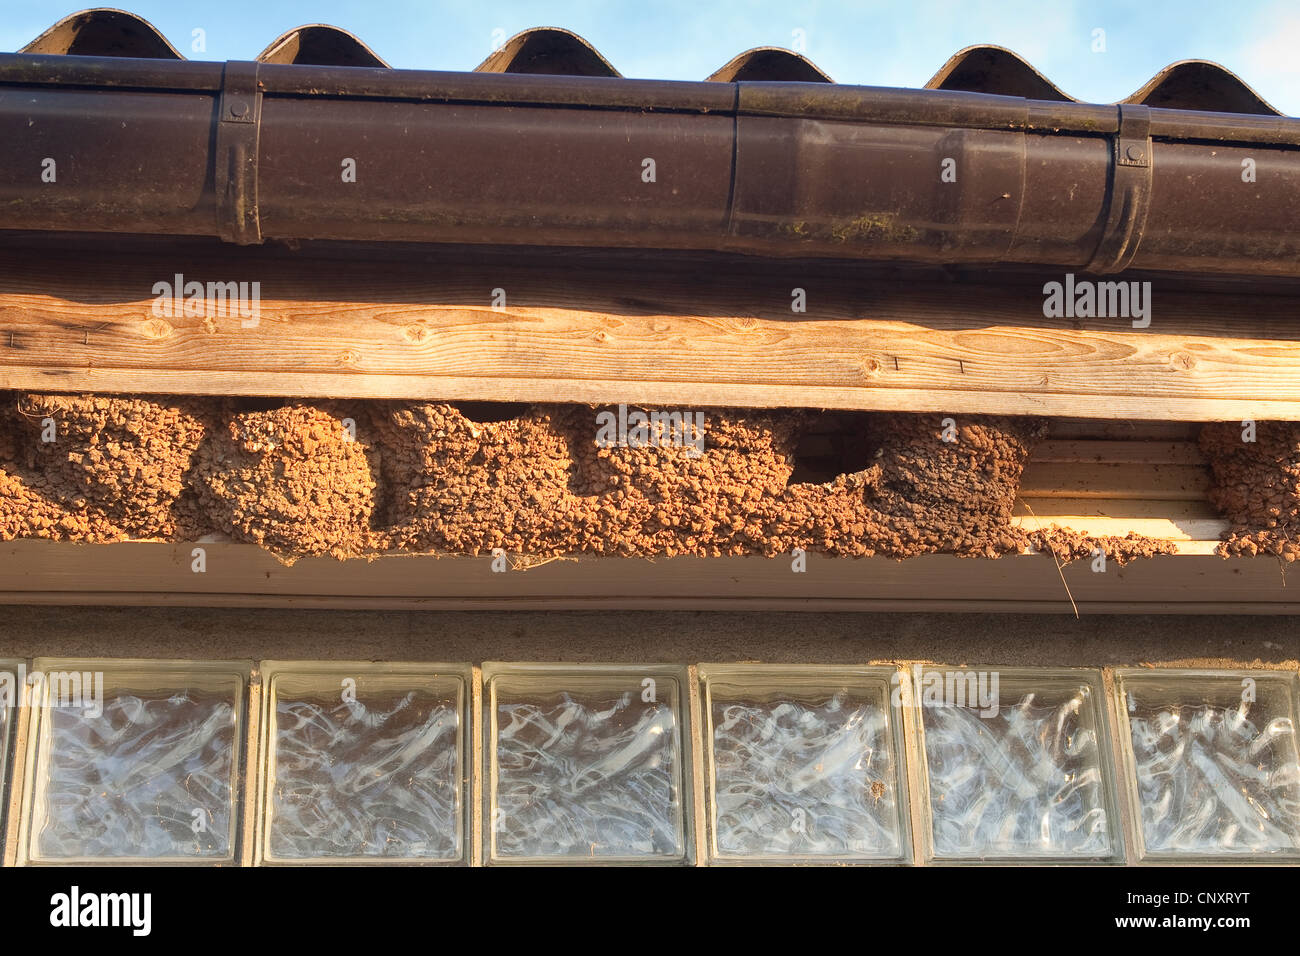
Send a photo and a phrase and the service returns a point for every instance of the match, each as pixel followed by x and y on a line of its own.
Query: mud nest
pixel 1256 486
pixel 88 467
pixel 296 480
pixel 928 487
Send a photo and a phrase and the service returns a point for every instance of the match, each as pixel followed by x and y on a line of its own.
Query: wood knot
pixel 157 329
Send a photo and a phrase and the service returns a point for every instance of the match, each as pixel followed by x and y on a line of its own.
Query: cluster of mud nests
pixel 372 477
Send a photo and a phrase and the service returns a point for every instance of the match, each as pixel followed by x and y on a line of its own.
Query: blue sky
pixel 873 43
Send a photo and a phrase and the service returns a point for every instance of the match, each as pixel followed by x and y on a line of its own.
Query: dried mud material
pixel 586 763
pixel 148 773
pixel 918 493
pixel 296 480
pixel 1016 770
pixel 1211 760
pixel 461 485
pixel 1256 486
pixel 364 763
pixel 1067 545
pixel 804 764
pixel 365 478
pixel 115 467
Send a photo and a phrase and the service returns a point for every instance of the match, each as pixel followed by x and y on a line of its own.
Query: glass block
pixel 364 763
pixel 10 700
pixel 586 764
pixel 804 764
pixel 1211 762
pixel 1016 765
pixel 135 762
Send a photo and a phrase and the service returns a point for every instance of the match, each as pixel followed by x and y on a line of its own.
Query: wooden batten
pixel 693 337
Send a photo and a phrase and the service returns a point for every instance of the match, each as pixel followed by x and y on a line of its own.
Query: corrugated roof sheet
pixel 1189 84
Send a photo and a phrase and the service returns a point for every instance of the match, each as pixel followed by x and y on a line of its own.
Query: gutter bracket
pixel 1128 195
pixel 239 125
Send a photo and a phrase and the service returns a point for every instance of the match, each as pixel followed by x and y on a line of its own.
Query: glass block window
pixel 586 763
pixel 364 763
pixel 1211 762
pixel 135 761
pixel 1016 765
pixel 804 764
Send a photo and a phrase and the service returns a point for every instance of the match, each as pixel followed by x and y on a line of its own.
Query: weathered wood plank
pixel 1119 452
pixel 404 330
pixel 1092 429
pixel 1125 508
pixel 1108 480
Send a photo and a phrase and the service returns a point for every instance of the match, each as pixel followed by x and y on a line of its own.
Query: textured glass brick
pixel 1211 762
pixel 364 763
pixel 804 764
pixel 1017 765
pixel 136 761
pixel 586 763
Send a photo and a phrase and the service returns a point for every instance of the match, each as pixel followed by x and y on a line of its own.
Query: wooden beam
pixel 83 322
pixel 42 572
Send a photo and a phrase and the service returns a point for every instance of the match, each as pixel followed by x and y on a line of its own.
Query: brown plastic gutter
pixel 253 151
